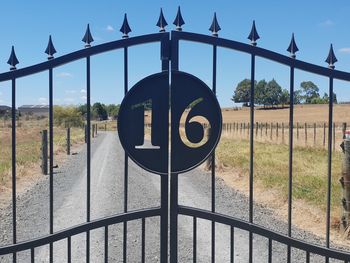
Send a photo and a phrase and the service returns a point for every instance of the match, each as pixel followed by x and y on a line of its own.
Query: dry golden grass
pixel 302 113
pixel 28 143
pixel 271 181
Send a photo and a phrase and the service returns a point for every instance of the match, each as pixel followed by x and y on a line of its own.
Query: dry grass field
pixel 28 143
pixel 302 113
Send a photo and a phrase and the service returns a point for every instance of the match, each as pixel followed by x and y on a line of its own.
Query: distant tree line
pixel 100 111
pixel 271 94
pixel 76 115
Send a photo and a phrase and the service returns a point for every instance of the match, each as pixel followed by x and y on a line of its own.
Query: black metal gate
pixel 169 55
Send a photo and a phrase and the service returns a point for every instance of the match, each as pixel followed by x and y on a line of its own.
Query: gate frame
pixel 169 46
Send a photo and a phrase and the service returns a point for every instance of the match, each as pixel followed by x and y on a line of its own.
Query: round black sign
pixel 195 122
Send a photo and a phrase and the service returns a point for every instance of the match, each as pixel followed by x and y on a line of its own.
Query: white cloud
pixel 83 97
pixel 2 101
pixel 65 75
pixel 70 91
pixel 110 28
pixel 344 50
pixel 0 93
pixel 83 91
pixel 327 23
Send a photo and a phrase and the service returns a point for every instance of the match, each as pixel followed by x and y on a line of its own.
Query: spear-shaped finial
pixel 292 48
pixel 179 22
pixel 331 59
pixel 215 28
pixel 50 50
pixel 253 36
pixel 13 61
pixel 125 28
pixel 87 39
pixel 161 22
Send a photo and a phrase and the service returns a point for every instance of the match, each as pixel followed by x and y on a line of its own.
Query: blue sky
pixel 27 25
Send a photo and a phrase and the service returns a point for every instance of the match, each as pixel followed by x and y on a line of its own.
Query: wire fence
pixel 305 134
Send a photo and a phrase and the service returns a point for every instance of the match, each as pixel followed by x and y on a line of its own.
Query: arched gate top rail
pixel 261 52
pixel 176 35
pixel 83 53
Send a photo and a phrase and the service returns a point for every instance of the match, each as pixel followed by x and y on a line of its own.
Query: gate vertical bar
pixel 173 176
pixel 125 224
pixel 173 217
pixel 290 166
pixel 194 240
pixel 165 49
pixel 251 154
pixel 51 155
pixel 232 245
pixel 69 250
pixel 106 244
pixel 329 175
pixel 88 154
pixel 213 165
pixel 143 240
pixel 14 205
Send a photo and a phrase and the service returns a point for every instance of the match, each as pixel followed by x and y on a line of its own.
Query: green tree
pixel 82 109
pixel 273 93
pixel 310 90
pixel 298 97
pixel 242 92
pixel 260 93
pixel 99 111
pixel 284 99
pixel 113 110
pixel 67 115
pixel 335 98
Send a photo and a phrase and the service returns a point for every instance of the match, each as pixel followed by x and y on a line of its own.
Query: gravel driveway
pixel 144 191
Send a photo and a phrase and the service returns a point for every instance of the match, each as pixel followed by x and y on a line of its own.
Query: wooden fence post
pixel 44 153
pixel 314 134
pixel 256 129
pixel 266 129
pixel 244 128
pixel 277 131
pixel 282 132
pixel 344 129
pixel 297 131
pixel 209 160
pixel 305 127
pixel 333 136
pixel 68 141
pixel 271 126
pixel 261 128
pixel 241 128
pixel 324 134
pixel 345 183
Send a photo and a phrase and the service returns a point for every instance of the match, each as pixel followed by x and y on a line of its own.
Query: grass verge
pixel 271 169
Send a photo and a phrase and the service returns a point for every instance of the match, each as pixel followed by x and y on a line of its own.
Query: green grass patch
pixel 271 169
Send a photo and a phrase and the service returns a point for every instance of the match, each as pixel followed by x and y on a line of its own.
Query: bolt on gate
pixel 170 73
